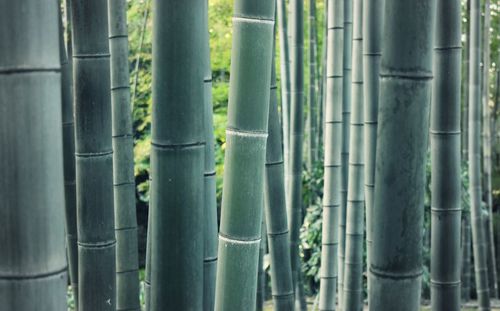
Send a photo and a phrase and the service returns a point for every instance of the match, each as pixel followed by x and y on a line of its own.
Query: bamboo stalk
pixel 94 156
pixel 127 258
pixel 332 160
pixel 177 155
pixel 405 90
pixel 445 159
pixel 354 236
pixel 33 261
pixel 261 274
pixel 313 88
pixel 478 236
pixel 465 86
pixel 68 125
pixel 240 230
pixel 275 209
pixel 466 258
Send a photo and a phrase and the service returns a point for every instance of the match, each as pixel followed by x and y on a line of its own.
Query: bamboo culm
pixel 33 262
pixel 94 156
pixel 405 89
pixel 246 134
pixel 177 155
pixel 313 89
pixel 261 274
pixel 332 160
pixel 127 258
pixel 474 153
pixel 275 209
pixel 445 159
pixel 352 297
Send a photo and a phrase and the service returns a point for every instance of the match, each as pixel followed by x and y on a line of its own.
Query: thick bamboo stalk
pixel 373 12
pixel 346 116
pixel 478 236
pixel 240 230
pixel 68 126
pixel 94 156
pixel 33 261
pixel 127 258
pixel 332 161
pixel 281 11
pixel 492 273
pixel 296 135
pixel 210 217
pixel 446 159
pixel 405 90
pixel 275 209
pixel 313 88
pixel 354 237
pixel 177 155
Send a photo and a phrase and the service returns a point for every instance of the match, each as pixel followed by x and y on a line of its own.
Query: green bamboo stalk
pixel 261 277
pixel 465 86
pixel 33 261
pixel 492 273
pixel 373 12
pixel 210 217
pixel 346 115
pixel 94 156
pixel 466 259
pixel 478 236
pixel 405 90
pixel 296 136
pixel 285 82
pixel 127 258
pixel 322 81
pixel 446 159
pixel 147 274
pixel 313 88
pixel 354 236
pixel 177 155
pixel 332 160
pixel 240 229
pixel 275 209
pixel 68 126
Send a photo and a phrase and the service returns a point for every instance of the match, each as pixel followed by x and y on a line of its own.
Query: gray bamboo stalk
pixel 332 160
pixel 127 258
pixel 478 236
pixel 465 86
pixel 466 258
pixel 261 274
pixel 94 156
pixel 177 155
pixel 147 273
pixel 373 12
pixel 33 261
pixel 346 115
pixel 210 217
pixel 246 135
pixel 405 92
pixel 139 50
pixel 446 159
pixel 68 126
pixel 296 135
pixel 275 209
pixel 354 236
pixel 281 11
pixel 492 273
pixel 313 89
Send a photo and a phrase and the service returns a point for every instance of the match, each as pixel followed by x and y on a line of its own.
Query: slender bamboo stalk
pixel 445 159
pixel 94 156
pixel 465 86
pixel 210 217
pixel 68 125
pixel 240 230
pixel 332 161
pixel 492 273
pixel 261 274
pixel 33 261
pixel 127 258
pixel 346 116
pixel 466 258
pixel 313 88
pixel 405 89
pixel 478 236
pixel 139 50
pixel 285 82
pixel 296 136
pixel 147 274
pixel 373 12
pixel 177 155
pixel 353 266
pixel 275 209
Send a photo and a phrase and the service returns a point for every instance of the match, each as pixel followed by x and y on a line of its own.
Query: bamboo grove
pixel 352 163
